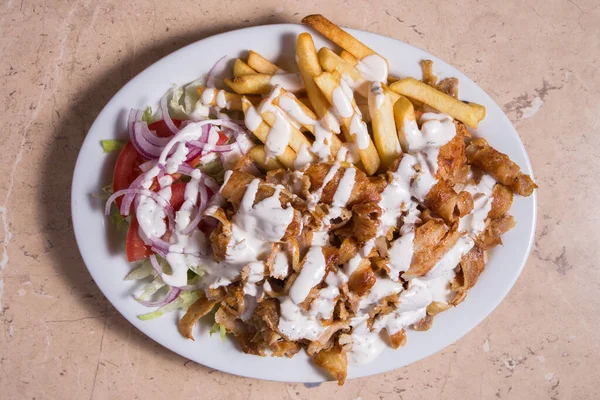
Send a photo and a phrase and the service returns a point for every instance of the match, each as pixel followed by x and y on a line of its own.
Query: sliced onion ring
pixel 164 109
pixel 169 297
pixel 215 70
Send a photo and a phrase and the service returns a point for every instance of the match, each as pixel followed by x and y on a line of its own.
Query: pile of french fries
pixel 320 73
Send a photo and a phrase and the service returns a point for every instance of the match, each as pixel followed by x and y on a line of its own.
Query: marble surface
pixel 61 61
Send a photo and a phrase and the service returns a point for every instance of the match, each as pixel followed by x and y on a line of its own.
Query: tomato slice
pixel 177 195
pixel 161 128
pixel 126 169
pixel 135 247
pixel 222 138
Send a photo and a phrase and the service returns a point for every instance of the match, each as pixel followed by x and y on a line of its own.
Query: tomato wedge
pixel 161 128
pixel 177 195
pixel 126 169
pixel 135 247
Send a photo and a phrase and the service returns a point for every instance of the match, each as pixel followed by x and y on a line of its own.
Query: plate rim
pixel 282 26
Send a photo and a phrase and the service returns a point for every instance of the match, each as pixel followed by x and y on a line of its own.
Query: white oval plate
pixel 102 249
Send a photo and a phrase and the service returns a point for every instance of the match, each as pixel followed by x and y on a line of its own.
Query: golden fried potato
pixel 420 91
pixel 240 68
pixel 338 36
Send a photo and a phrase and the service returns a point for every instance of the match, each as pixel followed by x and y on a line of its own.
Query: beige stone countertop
pixel 61 62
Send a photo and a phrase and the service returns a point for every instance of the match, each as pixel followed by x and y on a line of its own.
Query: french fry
pixel 250 84
pixel 470 114
pixel 348 58
pixel 328 82
pixel 309 115
pixel 233 100
pixel 384 129
pixel 364 110
pixel 306 102
pixel 258 154
pixel 240 68
pixel 332 62
pixel 262 133
pixel 394 96
pixel 338 36
pixel 262 65
pixel 308 63
pixel 297 138
pixel 263 83
pixel 404 114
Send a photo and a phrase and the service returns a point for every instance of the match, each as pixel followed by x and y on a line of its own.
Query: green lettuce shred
pixel 151 288
pixel 148 116
pixel 141 272
pixel 218 327
pixel 107 191
pixel 176 109
pixel 120 222
pixel 191 98
pixel 214 169
pixel 182 302
pixel 112 145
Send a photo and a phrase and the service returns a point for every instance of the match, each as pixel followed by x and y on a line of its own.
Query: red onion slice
pixel 169 297
pixel 217 69
pixel 151 137
pixel 185 169
pixel 145 148
pixel 148 165
pixel 211 147
pixel 128 199
pixel 155 264
pixel 134 115
pixel 164 109
pixel 194 223
pixel 160 244
pixel 203 197
pixel 159 252
pixel 155 196
pixel 210 183
pixel 193 152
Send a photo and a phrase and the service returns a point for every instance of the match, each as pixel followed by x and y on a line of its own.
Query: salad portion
pixel 329 209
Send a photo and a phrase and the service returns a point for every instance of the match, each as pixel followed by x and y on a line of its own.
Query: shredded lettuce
pixel 151 288
pixel 218 327
pixel 107 191
pixel 148 116
pixel 191 97
pixel 112 145
pixel 118 220
pixel 176 109
pixel 214 169
pixel 184 300
pixel 141 272
pixel 185 102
